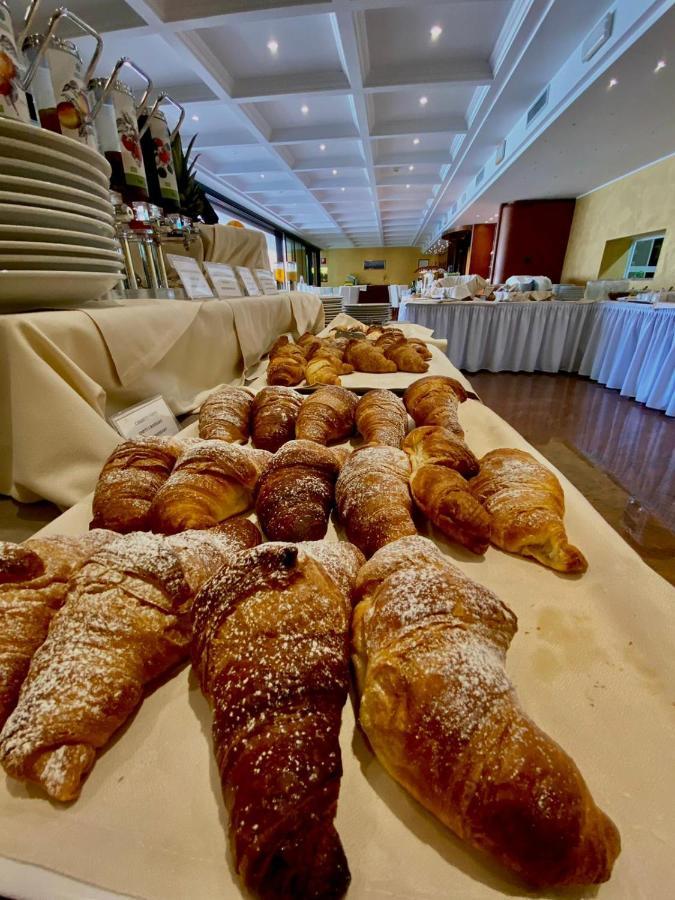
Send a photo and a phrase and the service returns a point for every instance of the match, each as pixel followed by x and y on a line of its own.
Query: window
pixel 643 256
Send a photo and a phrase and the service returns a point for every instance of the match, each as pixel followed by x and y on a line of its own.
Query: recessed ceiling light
pixel 334 171
pixel 416 141
pixel 661 64
pixel 304 109
pixel 436 32
pixel 273 47
pixel 424 101
pixel 262 174
pixel 411 168
pixel 195 118
pixel 343 189
pixel 612 83
pixel 322 146
pixel 408 186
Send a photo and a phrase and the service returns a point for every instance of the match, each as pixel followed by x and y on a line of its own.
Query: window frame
pixel 646 270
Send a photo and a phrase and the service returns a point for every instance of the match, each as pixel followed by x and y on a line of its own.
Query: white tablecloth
pixel 513 337
pixel 632 348
pixel 64 373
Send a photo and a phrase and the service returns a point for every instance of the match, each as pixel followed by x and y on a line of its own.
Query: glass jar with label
pixel 116 122
pixel 156 143
pixel 58 91
pixel 13 83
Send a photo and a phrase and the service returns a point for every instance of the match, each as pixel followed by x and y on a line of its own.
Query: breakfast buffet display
pixel 171 569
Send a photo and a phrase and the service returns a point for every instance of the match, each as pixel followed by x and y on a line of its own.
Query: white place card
pixel 223 279
pixel 249 283
pixel 151 418
pixel 192 278
pixel 266 281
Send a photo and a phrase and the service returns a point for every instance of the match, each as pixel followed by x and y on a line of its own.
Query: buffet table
pixel 592 663
pixel 632 348
pixel 63 373
pixel 545 336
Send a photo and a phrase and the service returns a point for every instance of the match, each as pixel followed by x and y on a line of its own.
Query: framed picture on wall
pixel 373 264
pixel 422 263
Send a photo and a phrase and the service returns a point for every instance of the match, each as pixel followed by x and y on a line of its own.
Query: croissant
pixel 124 623
pixel 526 505
pixel 443 719
pixel 381 418
pixel 309 344
pixel 366 357
pixel 407 358
pixel 373 499
pixel 434 444
pixel 271 639
pixel 129 480
pixel 295 496
pixel 212 481
pixel 281 341
pixel 33 580
pixel 286 370
pixel 328 351
pixel 445 498
pixel 420 347
pixel 433 400
pixel 325 371
pixel 327 415
pixel 292 351
pixel 390 338
pixel 273 416
pixel 225 414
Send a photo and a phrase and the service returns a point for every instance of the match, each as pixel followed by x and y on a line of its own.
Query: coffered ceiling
pixel 350 122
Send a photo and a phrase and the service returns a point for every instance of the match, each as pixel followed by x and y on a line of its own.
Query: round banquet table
pixel 537 336
pixel 632 348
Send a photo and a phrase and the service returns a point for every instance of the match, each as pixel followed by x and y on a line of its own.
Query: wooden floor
pixel 619 454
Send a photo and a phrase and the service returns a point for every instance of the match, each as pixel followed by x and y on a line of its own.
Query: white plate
pixel 25 169
pixel 40 247
pixel 57 203
pixel 33 186
pixel 52 142
pixel 52 290
pixel 27 234
pixel 16 214
pixel 33 153
pixel 24 262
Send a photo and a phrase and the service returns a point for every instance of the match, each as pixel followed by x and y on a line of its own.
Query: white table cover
pixel 632 348
pixel 508 337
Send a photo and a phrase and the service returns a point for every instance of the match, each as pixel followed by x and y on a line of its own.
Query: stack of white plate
pixel 332 306
pixel 568 292
pixel 368 313
pixel 57 238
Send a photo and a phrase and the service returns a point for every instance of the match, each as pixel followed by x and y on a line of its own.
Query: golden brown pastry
pixel 445 498
pixel 309 343
pixel 225 414
pixel 438 445
pixel 129 480
pixel 389 338
pixel 372 497
pixel 420 347
pixel 33 581
pixel 327 415
pixel 271 651
pixel 407 358
pixel 296 494
pixel 286 370
pixel 443 719
pixel 366 357
pixel 124 623
pixel 273 416
pixel 211 481
pixel 322 370
pixel 281 341
pixel 433 400
pixel 526 505
pixel 381 418
pixel 292 351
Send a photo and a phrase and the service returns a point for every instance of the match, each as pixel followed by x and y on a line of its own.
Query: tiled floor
pixel 618 453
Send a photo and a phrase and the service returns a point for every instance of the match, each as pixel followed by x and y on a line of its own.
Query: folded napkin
pixel 308 311
pixel 139 333
pixel 234 246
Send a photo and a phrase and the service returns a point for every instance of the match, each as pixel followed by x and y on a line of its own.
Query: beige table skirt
pixel 63 373
pixel 593 663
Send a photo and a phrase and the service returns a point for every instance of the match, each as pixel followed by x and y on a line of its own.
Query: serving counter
pixel 64 373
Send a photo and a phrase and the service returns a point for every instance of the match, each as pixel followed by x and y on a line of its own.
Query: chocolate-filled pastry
pixel 225 414
pixel 296 493
pixel 129 480
pixel 271 652
pixel 273 416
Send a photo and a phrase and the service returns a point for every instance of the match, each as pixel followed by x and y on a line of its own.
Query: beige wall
pixel 637 204
pixel 400 264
